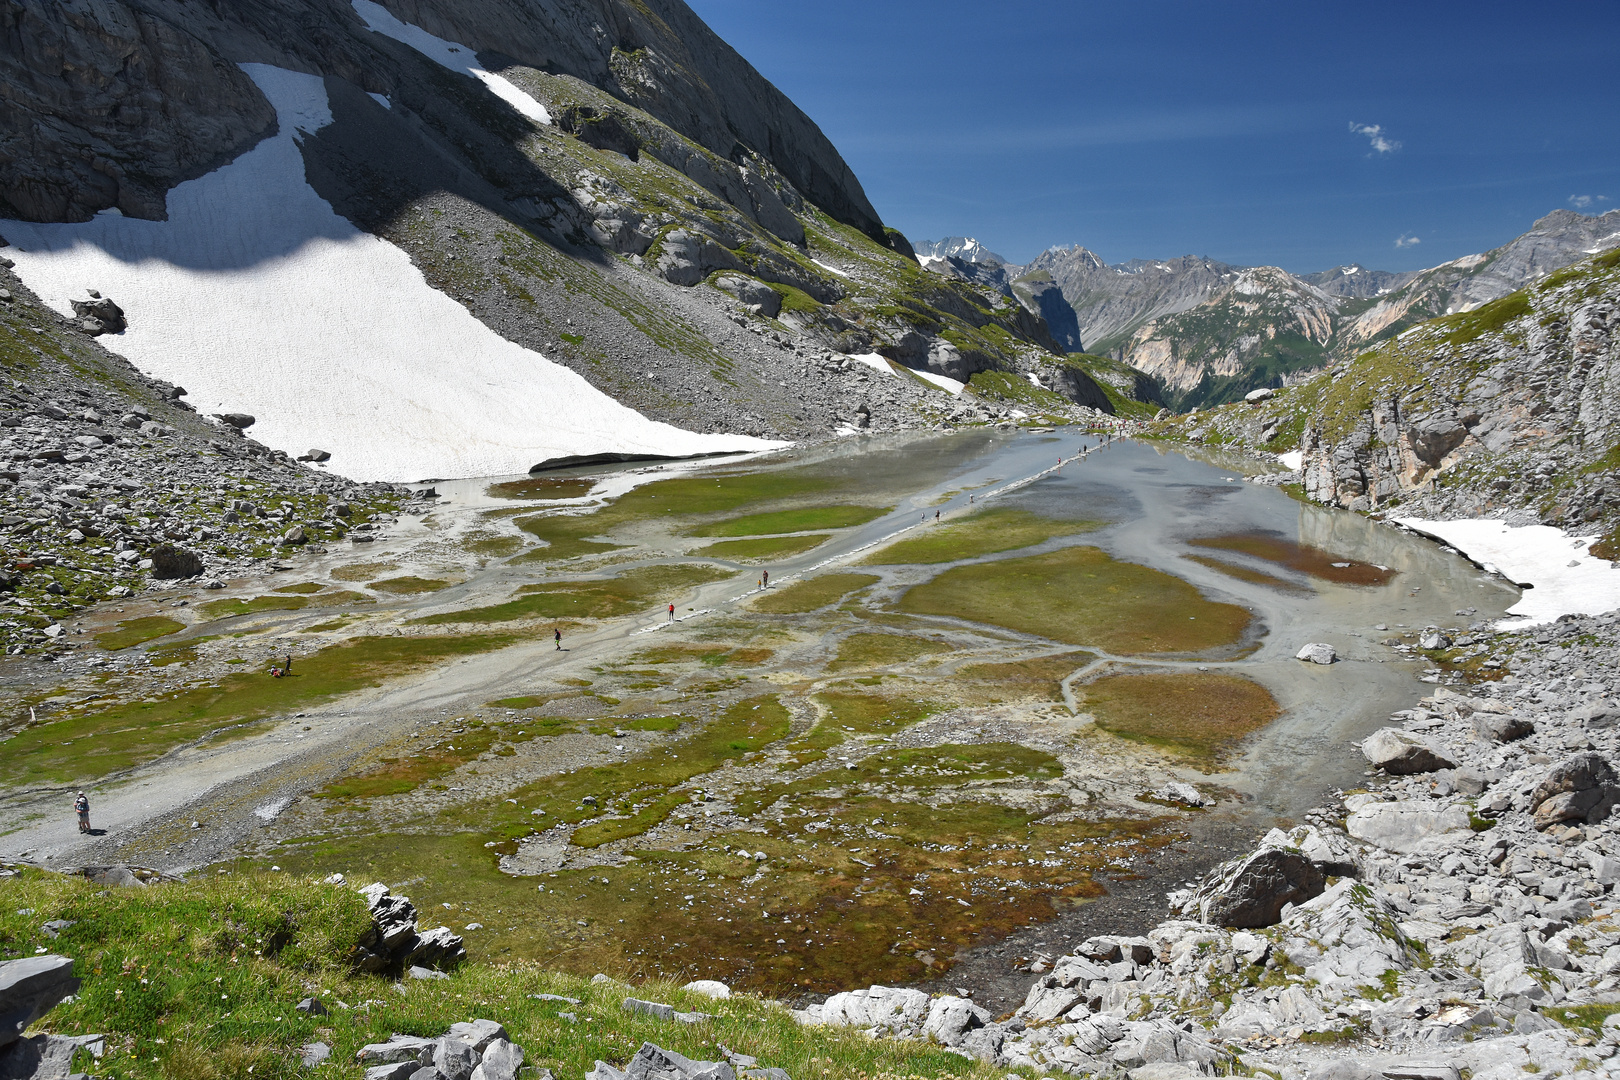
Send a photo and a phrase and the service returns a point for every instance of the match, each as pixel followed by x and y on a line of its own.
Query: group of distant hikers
pixel 284 669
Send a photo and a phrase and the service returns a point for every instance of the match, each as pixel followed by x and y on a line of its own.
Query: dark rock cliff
pixel 112 102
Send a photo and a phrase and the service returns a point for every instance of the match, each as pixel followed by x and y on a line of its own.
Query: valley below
pixel 1004 690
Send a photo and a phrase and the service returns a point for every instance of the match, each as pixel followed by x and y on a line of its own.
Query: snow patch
pixel 271 810
pixel 1292 460
pixel 259 298
pixel 1565 579
pixel 449 54
pixel 944 382
pixel 381 99
pixel 875 362
pixel 833 269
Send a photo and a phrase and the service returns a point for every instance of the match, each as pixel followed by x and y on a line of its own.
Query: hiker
pixel 672 613
pixel 82 805
pixel 286 669
pixel 556 635
pixel 765 579
pixel 275 672
pixel 936 515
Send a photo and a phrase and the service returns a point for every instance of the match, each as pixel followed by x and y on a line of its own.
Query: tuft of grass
pixel 362 571
pixel 303 587
pixel 133 632
pixel 983 533
pixel 811 593
pixel 767 547
pixel 786 521
pixel 223 609
pixel 1082 596
pixel 196 981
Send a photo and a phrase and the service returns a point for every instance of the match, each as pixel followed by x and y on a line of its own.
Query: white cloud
pixel 1381 143
pixel 1581 202
pixel 1406 241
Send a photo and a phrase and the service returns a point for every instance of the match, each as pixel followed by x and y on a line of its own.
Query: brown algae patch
pixel 1040 679
pixel 536 487
pixel 882 650
pixel 1201 715
pixel 1250 575
pixel 1274 548
pixel 811 594
pixel 1082 596
pixel 767 547
pixel 984 533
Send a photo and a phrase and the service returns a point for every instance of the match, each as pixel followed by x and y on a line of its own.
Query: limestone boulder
pixel 1251 891
pixel 1404 826
pixel 1583 787
pixel 1402 753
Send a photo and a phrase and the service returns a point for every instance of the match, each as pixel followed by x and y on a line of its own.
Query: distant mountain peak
pixel 958 247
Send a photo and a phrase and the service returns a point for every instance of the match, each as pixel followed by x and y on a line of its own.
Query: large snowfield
pixel 1565 579
pixel 258 298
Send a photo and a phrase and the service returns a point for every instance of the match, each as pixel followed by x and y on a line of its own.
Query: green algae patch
pixel 1303 558
pixel 767 547
pixel 133 632
pixel 865 714
pixel 363 571
pixel 495 547
pixel 224 609
pixel 712 655
pixel 881 650
pixel 1082 596
pixel 787 521
pixel 925 768
pixel 564 536
pixel 536 487
pixel 1201 716
pixel 811 594
pixel 223 955
pixel 638 794
pixel 96 744
pixel 1250 575
pixel 1040 679
pixel 604 599
pixel 303 587
pixel 408 586
pixel 984 533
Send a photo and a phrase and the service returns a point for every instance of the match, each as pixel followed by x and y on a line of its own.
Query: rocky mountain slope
pixel 111 479
pixel 1210 332
pixel 1507 409
pixel 605 185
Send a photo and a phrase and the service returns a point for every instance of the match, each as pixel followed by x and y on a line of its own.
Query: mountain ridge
pixel 1211 331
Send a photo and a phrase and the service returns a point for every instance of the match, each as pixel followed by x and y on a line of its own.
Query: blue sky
pixel 1155 129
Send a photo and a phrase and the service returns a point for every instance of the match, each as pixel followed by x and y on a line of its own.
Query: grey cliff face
pixel 110 103
pixel 107 105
